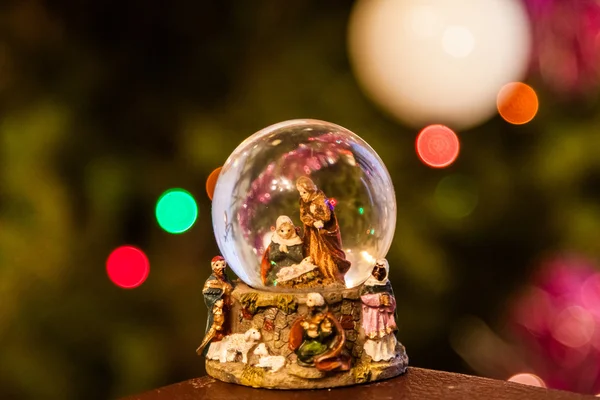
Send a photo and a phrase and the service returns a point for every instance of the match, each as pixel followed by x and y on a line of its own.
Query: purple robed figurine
pixel 378 307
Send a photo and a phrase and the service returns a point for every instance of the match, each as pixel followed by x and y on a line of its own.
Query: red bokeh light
pixel 437 146
pixel 127 267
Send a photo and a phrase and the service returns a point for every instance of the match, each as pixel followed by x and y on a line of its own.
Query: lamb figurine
pixel 238 343
pixel 267 361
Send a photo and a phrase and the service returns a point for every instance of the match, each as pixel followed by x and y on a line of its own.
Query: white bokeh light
pixel 423 21
pixel 438 61
pixel 458 41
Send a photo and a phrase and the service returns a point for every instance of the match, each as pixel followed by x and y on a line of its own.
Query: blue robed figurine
pixel 217 297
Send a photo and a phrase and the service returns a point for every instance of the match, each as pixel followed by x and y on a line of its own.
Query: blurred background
pixel 105 105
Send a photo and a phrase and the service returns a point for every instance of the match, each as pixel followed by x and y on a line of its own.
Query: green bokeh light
pixel 176 211
pixel 361 211
pixel 456 196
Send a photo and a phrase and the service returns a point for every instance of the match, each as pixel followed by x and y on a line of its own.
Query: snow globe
pixel 304 213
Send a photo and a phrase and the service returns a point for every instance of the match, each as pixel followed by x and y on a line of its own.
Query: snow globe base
pixel 264 324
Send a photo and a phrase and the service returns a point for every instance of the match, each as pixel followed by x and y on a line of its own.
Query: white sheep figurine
pixel 267 361
pixel 238 343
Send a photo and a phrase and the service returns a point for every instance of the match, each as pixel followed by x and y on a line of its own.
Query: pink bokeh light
pixel 528 379
pixel 556 324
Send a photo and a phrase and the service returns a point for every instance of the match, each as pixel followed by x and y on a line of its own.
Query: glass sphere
pixel 257 185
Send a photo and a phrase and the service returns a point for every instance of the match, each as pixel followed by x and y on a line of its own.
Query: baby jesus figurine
pixel 285 250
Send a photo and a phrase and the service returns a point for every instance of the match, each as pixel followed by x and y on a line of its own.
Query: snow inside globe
pixel 303 204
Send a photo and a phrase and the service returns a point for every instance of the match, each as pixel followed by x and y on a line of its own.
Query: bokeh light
pixel 517 103
pixel 566 37
pixel 211 182
pixel 528 379
pixel 127 267
pixel 456 196
pixel 438 60
pixel 555 323
pixel 437 146
pixel 574 327
pixel 176 211
pixel 590 295
pixel 458 41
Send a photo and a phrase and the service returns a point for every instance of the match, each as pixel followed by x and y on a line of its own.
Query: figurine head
pixel 312 330
pixel 306 187
pixel 285 227
pixel 261 350
pixel 381 269
pixel 252 334
pixel 314 300
pixel 218 265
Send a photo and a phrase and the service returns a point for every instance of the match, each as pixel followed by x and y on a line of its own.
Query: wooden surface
pixel 416 384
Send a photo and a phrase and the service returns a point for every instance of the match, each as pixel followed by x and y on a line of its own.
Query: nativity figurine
pixel 322 239
pixel 285 250
pixel 378 310
pixel 318 338
pixel 217 297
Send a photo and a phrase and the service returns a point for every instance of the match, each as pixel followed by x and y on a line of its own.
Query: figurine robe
pixel 285 250
pixel 216 288
pixel 323 245
pixel 318 340
pixel 378 322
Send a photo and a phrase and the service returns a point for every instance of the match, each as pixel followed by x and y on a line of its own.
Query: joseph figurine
pixel 217 297
pixel 322 239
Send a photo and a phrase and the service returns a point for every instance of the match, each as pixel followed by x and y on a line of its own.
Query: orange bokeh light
pixel 517 103
pixel 211 182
